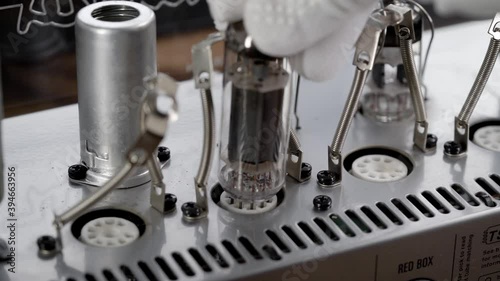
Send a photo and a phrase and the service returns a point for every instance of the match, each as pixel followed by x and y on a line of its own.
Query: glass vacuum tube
pixel 386 96
pixel 255 120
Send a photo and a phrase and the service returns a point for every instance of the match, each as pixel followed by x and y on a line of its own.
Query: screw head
pixel 322 202
pixel 431 141
pixel 326 177
pixel 46 243
pixel 77 172
pixel 163 153
pixel 170 202
pixel 452 148
pixel 191 210
pixel 306 170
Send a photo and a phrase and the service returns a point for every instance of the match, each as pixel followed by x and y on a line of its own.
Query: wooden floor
pixel 52 83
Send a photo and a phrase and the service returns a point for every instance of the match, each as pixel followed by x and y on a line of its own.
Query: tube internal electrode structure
pixel 255 120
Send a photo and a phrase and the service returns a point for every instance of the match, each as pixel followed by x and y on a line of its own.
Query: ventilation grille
pixel 302 235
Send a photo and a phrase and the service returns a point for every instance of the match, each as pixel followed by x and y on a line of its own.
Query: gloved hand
pixel 467 8
pixel 317 35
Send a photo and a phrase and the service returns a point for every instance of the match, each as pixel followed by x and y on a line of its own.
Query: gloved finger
pixel 224 11
pixel 324 59
pixel 287 27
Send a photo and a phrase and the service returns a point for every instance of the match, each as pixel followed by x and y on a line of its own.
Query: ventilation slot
pixel 271 252
pixel 420 206
pixel 166 268
pixel 310 233
pixel 199 259
pixel 289 231
pixel 450 198
pixel 434 202
pixel 147 271
pixel 217 256
pixel 495 178
pixel 250 248
pixel 389 214
pixel 109 275
pixel 70 279
pixel 373 217
pixel 326 229
pixel 406 212
pixel 486 199
pixel 277 241
pixel 233 251
pixel 183 264
pixel 358 221
pixel 342 225
pixel 488 188
pixel 89 277
pixel 465 195
pixel 129 275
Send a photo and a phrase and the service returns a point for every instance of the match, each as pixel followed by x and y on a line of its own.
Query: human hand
pixel 317 35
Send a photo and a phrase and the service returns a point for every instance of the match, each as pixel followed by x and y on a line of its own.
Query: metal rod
pixel 480 82
pixel 349 110
pixel 80 208
pixel 297 119
pixel 201 179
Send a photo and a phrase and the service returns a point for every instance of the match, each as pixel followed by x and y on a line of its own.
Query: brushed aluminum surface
pixel 43 145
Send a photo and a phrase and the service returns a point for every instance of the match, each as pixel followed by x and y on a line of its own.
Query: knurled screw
pixel 322 202
pixel 326 177
pixel 431 141
pixel 77 172
pixel 163 153
pixel 191 210
pixel 170 202
pixel 306 170
pixel 46 243
pixel 452 148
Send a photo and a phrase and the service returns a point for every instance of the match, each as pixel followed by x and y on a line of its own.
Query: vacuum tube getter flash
pixel 255 120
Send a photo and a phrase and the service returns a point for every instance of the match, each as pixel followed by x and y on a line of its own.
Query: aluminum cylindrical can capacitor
pixel 255 120
pixel 116 51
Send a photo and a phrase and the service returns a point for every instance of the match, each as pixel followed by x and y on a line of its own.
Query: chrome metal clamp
pixel 461 131
pixel 366 52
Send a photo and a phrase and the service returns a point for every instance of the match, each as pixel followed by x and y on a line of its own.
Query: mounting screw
pixel 305 171
pixel 163 153
pixel 170 200
pixel 190 210
pixel 452 148
pixel 431 141
pixel 322 202
pixel 77 172
pixel 326 178
pixel 47 246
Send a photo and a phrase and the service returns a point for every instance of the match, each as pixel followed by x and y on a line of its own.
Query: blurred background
pixel 38 62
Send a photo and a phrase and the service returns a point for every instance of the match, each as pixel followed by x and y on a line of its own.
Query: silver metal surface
pixel 116 51
pixel 462 120
pixel 42 152
pixel 294 161
pixel 202 73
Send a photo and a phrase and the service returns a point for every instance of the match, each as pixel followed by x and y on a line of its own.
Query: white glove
pixel 317 35
pixel 468 8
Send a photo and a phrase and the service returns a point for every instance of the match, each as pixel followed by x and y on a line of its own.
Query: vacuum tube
pixel 255 120
pixel 386 97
